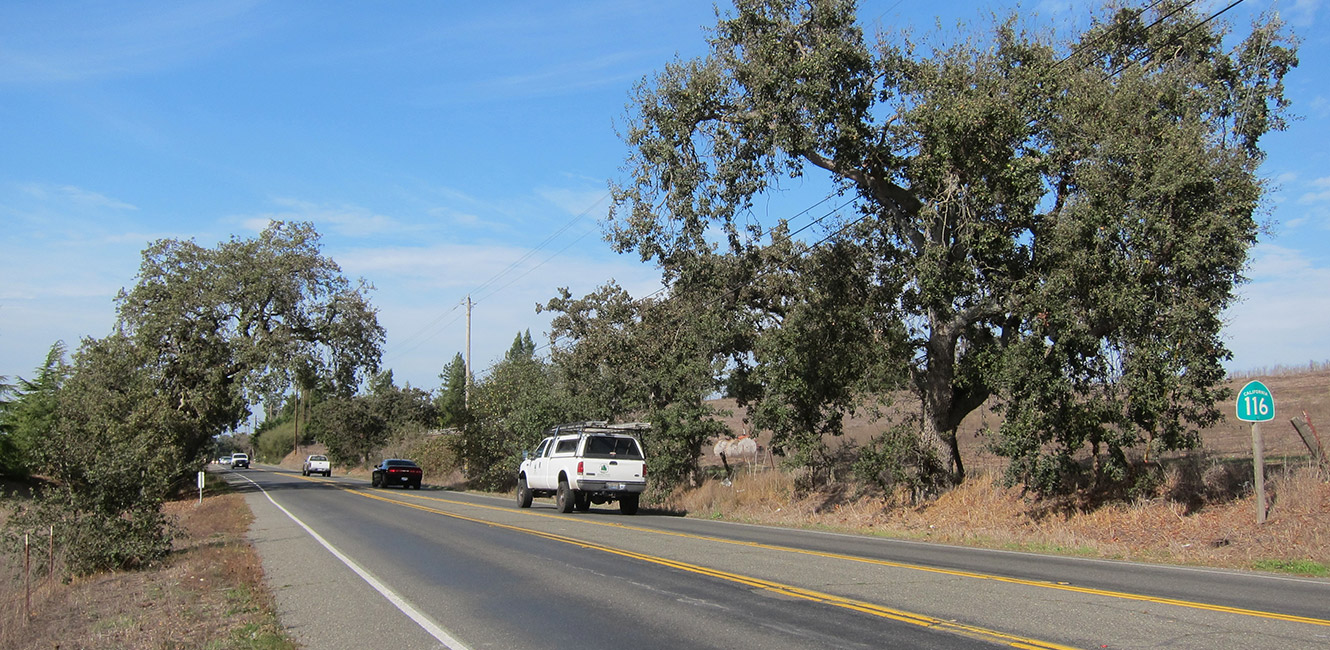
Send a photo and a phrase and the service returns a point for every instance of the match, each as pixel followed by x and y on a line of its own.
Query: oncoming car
pixel 239 460
pixel 396 471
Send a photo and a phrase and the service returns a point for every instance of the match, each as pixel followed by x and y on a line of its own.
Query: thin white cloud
pixel 1300 13
pixel 345 220
pixel 1281 314
pixel 72 196
pixel 589 203
pixel 1310 198
pixel 53 42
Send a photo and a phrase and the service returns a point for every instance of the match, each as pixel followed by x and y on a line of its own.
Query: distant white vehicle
pixel 316 464
pixel 224 460
pixel 239 460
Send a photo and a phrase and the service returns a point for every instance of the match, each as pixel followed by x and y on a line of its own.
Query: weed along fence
pixel 21 581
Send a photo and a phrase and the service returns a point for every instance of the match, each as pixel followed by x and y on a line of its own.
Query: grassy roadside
pixel 1295 539
pixel 209 594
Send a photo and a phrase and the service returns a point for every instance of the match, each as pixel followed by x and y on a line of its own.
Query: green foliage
pixel 401 407
pixel 523 347
pixel 672 446
pixel 652 358
pixel 250 317
pixel 275 443
pixel 351 427
pixel 510 409
pixel 200 330
pixel 899 459
pixel 1054 225
pixel 113 454
pixel 451 401
pixel 1296 567
pixel 809 371
pixel 94 540
pixel 30 415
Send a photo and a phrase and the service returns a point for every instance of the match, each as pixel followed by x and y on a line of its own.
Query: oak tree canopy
pixel 1055 223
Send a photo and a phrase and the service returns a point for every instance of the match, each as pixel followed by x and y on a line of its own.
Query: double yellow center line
pixel 829 599
pixel 757 583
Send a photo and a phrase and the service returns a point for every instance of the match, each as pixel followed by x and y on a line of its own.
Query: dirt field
pixel 1295 392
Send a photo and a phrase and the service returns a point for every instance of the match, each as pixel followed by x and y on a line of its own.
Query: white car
pixel 239 460
pixel 316 464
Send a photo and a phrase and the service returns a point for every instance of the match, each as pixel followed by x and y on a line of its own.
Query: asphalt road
pixel 353 566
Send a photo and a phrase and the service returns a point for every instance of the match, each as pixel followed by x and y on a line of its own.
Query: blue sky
pixel 443 149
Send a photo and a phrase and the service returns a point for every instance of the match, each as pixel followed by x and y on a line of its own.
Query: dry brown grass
pixel 209 593
pixel 983 513
pixel 1201 511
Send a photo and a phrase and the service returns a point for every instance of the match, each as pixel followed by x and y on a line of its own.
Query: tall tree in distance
pixel 30 416
pixel 451 400
pixel 523 347
pixel 1056 224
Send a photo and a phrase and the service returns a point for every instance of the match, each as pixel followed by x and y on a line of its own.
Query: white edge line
pixel 434 629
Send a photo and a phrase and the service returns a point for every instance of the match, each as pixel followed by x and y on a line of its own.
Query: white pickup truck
pixel 316 464
pixel 585 463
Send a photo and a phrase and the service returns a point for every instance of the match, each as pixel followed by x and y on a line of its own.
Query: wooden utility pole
pixel 466 390
pixel 297 445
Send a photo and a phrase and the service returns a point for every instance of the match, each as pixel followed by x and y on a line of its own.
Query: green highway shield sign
pixel 1256 403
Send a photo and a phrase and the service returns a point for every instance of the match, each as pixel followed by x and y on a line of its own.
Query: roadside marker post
pixel 200 487
pixel 1256 405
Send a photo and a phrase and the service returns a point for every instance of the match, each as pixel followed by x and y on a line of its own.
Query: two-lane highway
pixel 353 566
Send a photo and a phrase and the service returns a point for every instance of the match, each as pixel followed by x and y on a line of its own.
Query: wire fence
pixel 28 575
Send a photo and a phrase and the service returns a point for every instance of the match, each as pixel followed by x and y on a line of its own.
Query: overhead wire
pixel 808 247
pixel 430 330
pixel 1076 51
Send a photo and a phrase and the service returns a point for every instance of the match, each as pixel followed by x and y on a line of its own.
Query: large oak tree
pixel 201 333
pixel 1056 223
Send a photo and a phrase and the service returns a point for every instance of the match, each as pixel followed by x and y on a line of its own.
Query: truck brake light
pixel 579 467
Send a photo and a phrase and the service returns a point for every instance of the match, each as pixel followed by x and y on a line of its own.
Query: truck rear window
pixel 611 447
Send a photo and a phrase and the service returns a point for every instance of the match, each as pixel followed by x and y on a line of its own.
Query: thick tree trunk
pixel 944 405
pixel 945 446
pixel 934 383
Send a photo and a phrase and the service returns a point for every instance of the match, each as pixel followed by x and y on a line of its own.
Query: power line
pixel 808 247
pixel 429 330
pixel 1082 47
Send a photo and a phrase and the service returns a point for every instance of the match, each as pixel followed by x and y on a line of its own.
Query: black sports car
pixel 396 471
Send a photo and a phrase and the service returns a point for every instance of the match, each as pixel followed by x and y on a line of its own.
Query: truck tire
pixel 523 493
pixel 581 501
pixel 564 499
pixel 628 503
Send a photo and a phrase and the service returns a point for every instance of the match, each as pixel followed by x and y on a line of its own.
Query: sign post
pixel 200 487
pixel 1256 405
